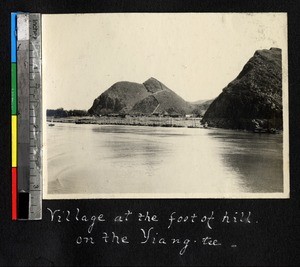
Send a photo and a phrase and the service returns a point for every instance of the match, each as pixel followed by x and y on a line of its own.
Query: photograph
pixel 165 105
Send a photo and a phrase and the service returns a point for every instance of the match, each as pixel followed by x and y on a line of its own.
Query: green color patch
pixel 13 88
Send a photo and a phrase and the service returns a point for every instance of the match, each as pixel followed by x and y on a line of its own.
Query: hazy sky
pixel 194 54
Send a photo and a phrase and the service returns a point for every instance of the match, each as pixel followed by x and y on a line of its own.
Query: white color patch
pixel 23 27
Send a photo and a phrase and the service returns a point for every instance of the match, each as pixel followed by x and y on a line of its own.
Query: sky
pixel 194 54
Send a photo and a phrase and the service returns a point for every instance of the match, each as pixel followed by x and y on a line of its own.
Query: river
pixel 114 159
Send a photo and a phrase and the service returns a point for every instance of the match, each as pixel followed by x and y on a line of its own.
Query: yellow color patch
pixel 14 140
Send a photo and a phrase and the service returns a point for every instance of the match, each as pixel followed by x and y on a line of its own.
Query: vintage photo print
pixel 165 105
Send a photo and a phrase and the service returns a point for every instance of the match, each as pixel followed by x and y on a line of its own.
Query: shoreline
pixel 145 121
pixel 133 121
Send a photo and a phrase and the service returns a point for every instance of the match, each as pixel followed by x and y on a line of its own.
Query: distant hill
pixel 255 96
pixel 151 97
pixel 199 102
pixel 201 106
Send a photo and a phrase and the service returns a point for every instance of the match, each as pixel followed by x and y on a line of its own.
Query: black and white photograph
pixel 165 105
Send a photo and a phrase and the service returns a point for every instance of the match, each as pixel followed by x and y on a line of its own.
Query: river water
pixel 113 159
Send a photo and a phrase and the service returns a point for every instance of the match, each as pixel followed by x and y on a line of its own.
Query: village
pixel 154 120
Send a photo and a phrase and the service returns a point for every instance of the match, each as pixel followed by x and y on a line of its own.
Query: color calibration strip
pixel 14 118
pixel 26 116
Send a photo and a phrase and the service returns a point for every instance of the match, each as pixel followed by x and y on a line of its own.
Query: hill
pixel 254 97
pixel 151 97
pixel 119 98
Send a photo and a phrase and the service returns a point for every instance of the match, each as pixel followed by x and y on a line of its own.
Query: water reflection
pixel 134 159
pixel 257 158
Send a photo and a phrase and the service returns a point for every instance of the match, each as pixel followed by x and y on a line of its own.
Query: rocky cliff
pixel 253 98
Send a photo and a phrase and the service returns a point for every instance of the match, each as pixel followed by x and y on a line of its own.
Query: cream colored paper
pixel 194 54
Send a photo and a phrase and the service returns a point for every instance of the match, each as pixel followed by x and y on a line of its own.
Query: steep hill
pixel 254 97
pixel 119 98
pixel 132 98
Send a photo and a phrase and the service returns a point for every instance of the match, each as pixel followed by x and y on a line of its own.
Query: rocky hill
pixel 119 98
pixel 253 98
pixel 151 97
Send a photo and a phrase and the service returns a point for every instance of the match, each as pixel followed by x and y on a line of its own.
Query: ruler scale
pixel 29 118
pixel 23 114
pixel 35 118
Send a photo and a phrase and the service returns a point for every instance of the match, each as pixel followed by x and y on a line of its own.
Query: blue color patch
pixel 13 33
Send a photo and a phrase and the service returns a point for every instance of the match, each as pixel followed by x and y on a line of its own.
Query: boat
pixel 265 130
pixel 78 122
pixel 260 130
pixel 51 124
pixel 273 131
pixel 205 126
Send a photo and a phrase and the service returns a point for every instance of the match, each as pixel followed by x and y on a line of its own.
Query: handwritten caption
pixel 152 229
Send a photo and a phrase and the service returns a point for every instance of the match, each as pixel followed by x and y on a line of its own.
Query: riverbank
pixel 149 121
pixel 133 121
